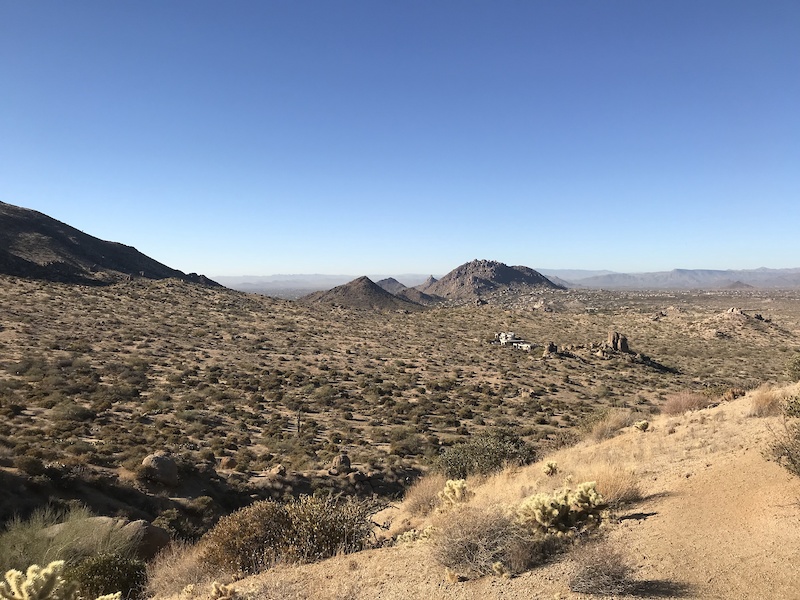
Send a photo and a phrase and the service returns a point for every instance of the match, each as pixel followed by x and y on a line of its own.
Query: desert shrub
pixel 29 464
pixel 307 529
pixel 423 496
pixel 791 406
pixel 37 541
pixel 565 512
pixel 248 540
pixel 108 573
pixel 485 453
pixel 473 542
pixel 793 367
pixel 601 570
pixel 784 447
pixel 681 402
pixel 42 583
pixel 323 527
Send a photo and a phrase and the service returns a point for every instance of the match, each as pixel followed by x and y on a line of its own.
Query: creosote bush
pixel 307 529
pixel 323 527
pixel 107 573
pixel 484 454
pixel 248 540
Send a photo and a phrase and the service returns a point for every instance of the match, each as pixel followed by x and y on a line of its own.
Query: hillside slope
pixel 36 246
pixel 717 521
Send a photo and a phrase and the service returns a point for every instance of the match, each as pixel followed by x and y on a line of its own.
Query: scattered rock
pixel 161 467
pixel 340 465
pixel 227 462
pixel 150 538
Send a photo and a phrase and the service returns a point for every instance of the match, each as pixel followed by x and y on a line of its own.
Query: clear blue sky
pixel 367 136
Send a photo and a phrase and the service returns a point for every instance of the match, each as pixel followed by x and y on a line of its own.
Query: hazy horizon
pixel 265 138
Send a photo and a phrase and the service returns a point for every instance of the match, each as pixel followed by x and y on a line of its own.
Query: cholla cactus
pixel 42 583
pixel 414 535
pixel 455 492
pixel 550 468
pixel 220 591
pixel 642 425
pixel 564 513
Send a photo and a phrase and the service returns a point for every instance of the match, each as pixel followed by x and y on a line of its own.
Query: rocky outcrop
pixel 618 342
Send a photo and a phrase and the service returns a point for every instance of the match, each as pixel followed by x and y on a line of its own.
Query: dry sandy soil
pixel 717 520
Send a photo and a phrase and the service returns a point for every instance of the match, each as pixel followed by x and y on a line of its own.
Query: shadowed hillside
pixel 36 246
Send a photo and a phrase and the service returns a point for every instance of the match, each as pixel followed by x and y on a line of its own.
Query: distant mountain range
pixel 677 279
pixel 689 279
pixel 36 246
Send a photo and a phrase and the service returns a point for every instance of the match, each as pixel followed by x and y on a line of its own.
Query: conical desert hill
pixel 361 293
pixel 481 277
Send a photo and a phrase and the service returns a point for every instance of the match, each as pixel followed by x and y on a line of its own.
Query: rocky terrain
pixel 479 278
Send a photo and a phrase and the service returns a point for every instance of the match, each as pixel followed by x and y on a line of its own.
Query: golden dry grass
pixel 768 401
pixel 685 401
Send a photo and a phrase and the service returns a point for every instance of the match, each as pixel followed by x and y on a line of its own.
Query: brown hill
pixel 36 246
pixel 414 295
pixel 361 293
pixel 391 285
pixel 427 283
pixel 482 277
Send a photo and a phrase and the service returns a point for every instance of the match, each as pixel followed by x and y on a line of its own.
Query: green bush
pixel 108 573
pixel 785 445
pixel 29 464
pixel 793 367
pixel 485 453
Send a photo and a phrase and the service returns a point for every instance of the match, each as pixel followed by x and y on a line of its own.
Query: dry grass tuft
pixel 617 484
pixel 180 568
pixel 609 424
pixel 765 402
pixel 601 570
pixel 422 498
pixel 677 404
